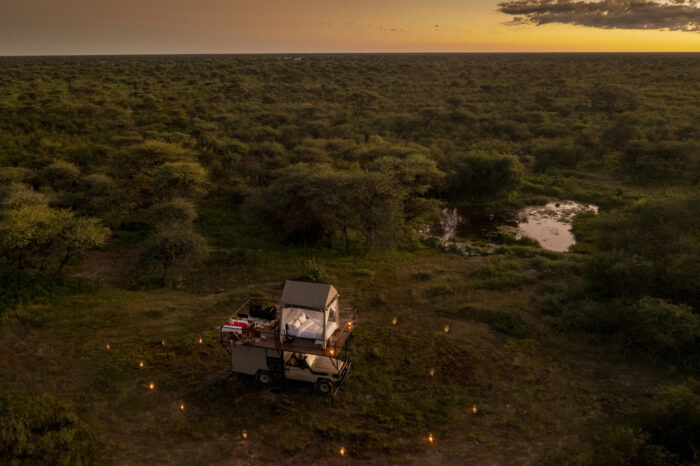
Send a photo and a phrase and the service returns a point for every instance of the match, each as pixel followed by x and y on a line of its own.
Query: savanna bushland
pixel 144 199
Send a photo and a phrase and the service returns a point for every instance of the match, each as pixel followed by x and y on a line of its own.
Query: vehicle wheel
pixel 263 377
pixel 324 387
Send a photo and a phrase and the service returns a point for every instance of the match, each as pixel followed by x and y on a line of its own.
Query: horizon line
pixel 345 53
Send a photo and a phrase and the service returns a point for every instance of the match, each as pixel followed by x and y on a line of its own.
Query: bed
pixel 302 325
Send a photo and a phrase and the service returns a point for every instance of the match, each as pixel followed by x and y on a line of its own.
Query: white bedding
pixel 312 330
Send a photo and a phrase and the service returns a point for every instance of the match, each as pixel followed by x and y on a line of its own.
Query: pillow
pixel 296 324
pixel 301 318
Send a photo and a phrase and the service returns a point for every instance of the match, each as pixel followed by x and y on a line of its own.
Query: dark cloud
pixel 674 15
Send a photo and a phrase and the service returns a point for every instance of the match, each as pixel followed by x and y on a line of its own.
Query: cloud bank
pixel 674 15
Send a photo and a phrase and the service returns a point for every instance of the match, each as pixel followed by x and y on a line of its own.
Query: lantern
pixel 141 364
pixel 431 372
pixel 108 347
pixel 394 321
pixel 162 342
pixel 446 329
pixel 151 386
pixel 200 340
pixel 431 439
pixel 474 409
pixel 332 351
pixel 244 435
pixel 341 452
pixel 182 407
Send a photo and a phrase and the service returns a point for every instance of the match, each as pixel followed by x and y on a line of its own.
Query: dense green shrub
pixel 650 248
pixel 38 429
pixel 670 331
pixel 672 420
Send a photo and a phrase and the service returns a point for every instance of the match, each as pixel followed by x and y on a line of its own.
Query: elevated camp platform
pixel 335 344
pixel 266 335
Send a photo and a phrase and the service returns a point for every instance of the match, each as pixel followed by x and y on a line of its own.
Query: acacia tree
pixel 173 246
pixel 36 235
pixel 416 175
pixel 479 176
pixel 309 202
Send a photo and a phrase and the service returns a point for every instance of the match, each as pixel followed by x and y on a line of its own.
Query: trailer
pixel 303 338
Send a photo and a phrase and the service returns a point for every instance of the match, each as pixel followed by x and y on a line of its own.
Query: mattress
pixel 312 330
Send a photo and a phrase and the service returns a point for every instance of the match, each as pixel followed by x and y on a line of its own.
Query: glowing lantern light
pixel 446 329
pixel 332 351
pixel 162 342
pixel 431 372
pixel 394 321
pixel 341 452
pixel 200 340
pixel 244 435
pixel 431 439
pixel 141 364
pixel 108 347
pixel 474 409
pixel 151 386
pixel 182 407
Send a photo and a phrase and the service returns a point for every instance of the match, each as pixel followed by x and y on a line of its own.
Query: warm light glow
pixel 151 386
pixel 108 347
pixel 432 372
pixel 42 27
pixel 200 340
pixel 332 351
pixel 474 409
pixel 395 321
pixel 162 342
pixel 140 363
pixel 244 435
pixel 182 407
pixel 431 439
pixel 446 329
pixel 341 451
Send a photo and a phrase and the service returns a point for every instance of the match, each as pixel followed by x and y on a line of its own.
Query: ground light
pixel 474 409
pixel 108 347
pixel 431 439
pixel 151 386
pixel 244 435
pixel 446 329
pixel 394 321
pixel 141 364
pixel 431 372
pixel 182 406
pixel 200 340
pixel 162 342
pixel 341 451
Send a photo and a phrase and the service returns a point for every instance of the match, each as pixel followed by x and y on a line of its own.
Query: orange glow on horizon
pixel 305 26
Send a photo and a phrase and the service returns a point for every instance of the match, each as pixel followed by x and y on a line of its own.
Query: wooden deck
pixel 333 348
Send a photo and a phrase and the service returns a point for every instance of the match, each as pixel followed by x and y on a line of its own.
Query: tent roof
pixel 310 295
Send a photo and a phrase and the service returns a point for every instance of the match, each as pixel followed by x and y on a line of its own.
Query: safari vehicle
pixel 304 341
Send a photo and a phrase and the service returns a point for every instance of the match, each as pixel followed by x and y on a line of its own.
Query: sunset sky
pixel 45 27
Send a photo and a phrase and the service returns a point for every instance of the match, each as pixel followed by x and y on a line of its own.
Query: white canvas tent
pixel 308 310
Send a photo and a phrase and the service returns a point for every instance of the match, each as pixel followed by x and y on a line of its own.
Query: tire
pixel 263 377
pixel 324 387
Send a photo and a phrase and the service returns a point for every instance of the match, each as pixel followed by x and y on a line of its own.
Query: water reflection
pixel 549 225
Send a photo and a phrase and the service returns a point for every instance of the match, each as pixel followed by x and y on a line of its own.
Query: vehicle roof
pixel 309 295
